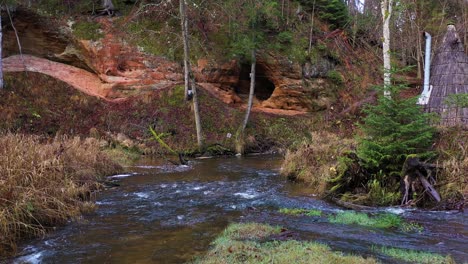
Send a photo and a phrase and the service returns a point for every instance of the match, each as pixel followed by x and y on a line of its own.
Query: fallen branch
pixel 162 143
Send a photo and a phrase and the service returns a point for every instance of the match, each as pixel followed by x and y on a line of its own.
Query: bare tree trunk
pixel 184 26
pixel 188 78
pixel 311 29
pixel 386 8
pixel 249 104
pixel 419 55
pixel 282 8
pixel 196 112
pixel 16 35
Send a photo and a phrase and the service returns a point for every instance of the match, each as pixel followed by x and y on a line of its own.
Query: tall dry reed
pixel 45 183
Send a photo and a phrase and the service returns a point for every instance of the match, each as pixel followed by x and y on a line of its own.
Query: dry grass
pixel 43 184
pixel 453 180
pixel 315 161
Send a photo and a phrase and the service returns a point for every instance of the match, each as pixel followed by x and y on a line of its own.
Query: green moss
pixel 335 77
pixel 300 211
pixel 156 37
pixel 354 218
pixel 414 256
pixel 87 30
pixel 240 243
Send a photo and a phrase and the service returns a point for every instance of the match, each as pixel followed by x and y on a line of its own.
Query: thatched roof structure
pixel 449 75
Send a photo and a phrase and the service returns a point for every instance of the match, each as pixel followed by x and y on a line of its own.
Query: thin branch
pixel 17 37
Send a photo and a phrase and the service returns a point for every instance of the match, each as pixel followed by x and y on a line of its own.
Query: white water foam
pixel 103 203
pixel 395 210
pixel 34 258
pixel 246 195
pixel 122 175
pixel 142 195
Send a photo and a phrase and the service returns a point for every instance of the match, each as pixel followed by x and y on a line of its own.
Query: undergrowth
pixel 43 184
pixel 316 160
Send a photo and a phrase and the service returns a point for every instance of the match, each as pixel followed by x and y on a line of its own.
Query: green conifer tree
pixel 393 129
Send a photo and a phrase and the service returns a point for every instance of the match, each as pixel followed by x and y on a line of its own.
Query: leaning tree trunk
pixel 386 8
pixel 188 78
pixel 196 112
pixel 240 143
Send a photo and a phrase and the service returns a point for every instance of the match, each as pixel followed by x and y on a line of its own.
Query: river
pixel 170 214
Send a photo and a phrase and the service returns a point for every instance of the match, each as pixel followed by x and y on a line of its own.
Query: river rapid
pixel 170 214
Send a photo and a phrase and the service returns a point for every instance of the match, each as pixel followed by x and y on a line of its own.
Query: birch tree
pixel 386 8
pixel 189 81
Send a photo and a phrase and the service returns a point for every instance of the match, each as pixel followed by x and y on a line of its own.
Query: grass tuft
pixel 354 218
pixel 414 256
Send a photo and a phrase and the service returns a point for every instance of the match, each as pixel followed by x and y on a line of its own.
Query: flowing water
pixel 170 214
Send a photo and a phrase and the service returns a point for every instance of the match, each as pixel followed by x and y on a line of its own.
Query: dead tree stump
pixel 414 170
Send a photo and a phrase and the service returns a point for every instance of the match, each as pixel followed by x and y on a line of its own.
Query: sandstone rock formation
pixel 112 69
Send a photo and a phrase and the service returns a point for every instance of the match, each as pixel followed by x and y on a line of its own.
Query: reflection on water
pixel 170 214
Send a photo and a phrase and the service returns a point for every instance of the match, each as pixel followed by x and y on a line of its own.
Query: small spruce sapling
pixel 394 128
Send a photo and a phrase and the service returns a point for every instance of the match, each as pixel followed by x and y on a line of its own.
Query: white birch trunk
pixel 386 7
pixel 188 79
pixel 251 92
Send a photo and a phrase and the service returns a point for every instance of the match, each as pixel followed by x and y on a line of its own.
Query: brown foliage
pixel 315 161
pixel 45 184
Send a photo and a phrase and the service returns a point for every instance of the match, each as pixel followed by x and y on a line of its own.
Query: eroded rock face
pixel 126 71
pixel 291 90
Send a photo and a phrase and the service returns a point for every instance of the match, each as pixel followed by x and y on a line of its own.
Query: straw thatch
pixel 449 75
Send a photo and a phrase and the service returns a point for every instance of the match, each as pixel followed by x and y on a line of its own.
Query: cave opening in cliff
pixel 263 86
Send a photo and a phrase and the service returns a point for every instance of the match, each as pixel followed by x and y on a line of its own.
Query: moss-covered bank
pixel 254 243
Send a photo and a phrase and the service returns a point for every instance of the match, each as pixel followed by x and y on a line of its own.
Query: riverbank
pixel 329 165
pixel 163 213
pixel 46 182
